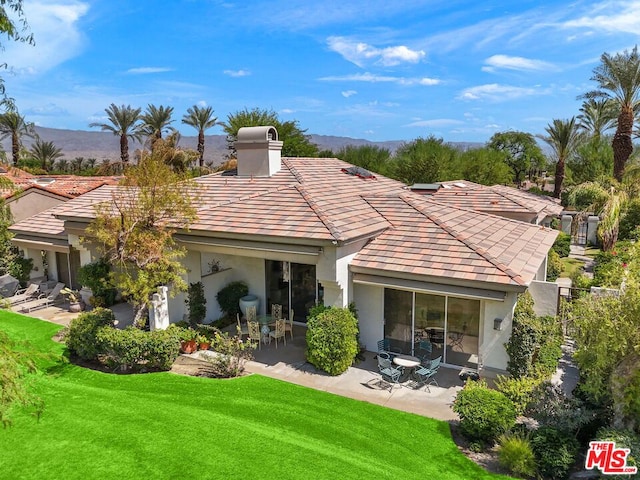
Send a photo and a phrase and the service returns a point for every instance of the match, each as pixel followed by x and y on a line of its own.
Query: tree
pixel 14 25
pixel 618 78
pixel 484 166
pixel 423 161
pixel 13 125
pixel 46 153
pixel 156 121
pixel 125 123
pixel 134 231
pixel 592 160
pixel 597 116
pixel 522 152
pixel 168 151
pixel 564 137
pixel 202 119
pixel 295 142
pixel 7 251
pixel 371 157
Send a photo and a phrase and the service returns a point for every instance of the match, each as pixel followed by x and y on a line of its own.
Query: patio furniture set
pixel 264 328
pixel 35 297
pixel 399 369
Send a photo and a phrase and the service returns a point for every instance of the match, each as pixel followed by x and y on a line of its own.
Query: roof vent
pixel 258 151
pixel 359 172
pixel 43 181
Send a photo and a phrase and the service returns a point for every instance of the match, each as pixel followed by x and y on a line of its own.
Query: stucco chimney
pixel 258 151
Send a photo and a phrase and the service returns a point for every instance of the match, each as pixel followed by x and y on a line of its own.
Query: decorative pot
pixel 249 301
pixel 204 346
pixel 189 346
pixel 75 307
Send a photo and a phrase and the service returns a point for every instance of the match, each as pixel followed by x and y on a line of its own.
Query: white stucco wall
pixel 541 274
pixel 493 355
pixel 32 202
pixel 38 266
pixel 369 301
pixel 545 298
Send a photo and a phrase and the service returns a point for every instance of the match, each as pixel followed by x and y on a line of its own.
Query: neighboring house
pixel 306 230
pixel 499 200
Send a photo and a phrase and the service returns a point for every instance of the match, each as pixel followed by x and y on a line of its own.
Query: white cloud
pixel 624 17
pixel 202 103
pixel 496 92
pixel 360 53
pixel 237 73
pixel 348 93
pixel 515 63
pixel 436 122
pixel 56 33
pixel 373 78
pixel 147 70
pixel 287 110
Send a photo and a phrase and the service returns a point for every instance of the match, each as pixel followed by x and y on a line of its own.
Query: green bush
pixel 522 342
pixel 197 303
pixel 555 452
pixel 562 245
pixel 623 439
pixel 229 298
pixel 484 413
pixel 80 336
pixel 133 349
pixel 231 355
pixel 518 390
pixel 96 277
pixel 516 455
pixel 332 343
pixel 554 266
pixel 629 221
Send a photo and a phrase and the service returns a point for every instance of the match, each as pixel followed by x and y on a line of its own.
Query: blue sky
pixel 374 69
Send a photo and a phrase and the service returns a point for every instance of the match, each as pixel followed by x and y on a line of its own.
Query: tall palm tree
pixel 202 119
pixel 156 121
pixel 46 153
pixel 563 136
pixel 125 123
pixel 13 125
pixel 597 116
pixel 618 78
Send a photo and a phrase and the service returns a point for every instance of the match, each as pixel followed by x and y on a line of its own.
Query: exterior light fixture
pixel 497 324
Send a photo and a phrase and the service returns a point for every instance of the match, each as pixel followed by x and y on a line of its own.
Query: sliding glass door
pixel 292 285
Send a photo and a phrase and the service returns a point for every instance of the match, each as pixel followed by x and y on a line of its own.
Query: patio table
pixel 408 364
pixel 264 321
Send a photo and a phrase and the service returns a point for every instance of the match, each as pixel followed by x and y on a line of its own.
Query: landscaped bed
pixel 162 425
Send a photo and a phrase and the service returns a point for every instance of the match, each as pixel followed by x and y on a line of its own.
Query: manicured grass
pixel 161 425
pixel 569 266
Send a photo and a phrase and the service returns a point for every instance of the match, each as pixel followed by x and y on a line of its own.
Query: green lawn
pixel 569 266
pixel 158 426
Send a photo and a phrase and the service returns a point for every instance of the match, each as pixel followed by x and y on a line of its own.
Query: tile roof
pixel 41 224
pixel 427 239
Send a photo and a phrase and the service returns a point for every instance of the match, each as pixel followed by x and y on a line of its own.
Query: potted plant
pixel 203 342
pixel 188 343
pixel 75 305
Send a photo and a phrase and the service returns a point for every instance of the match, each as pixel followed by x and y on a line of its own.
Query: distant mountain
pixel 104 145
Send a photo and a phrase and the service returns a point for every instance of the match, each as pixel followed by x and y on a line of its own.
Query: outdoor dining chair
pixel 425 378
pixel 242 329
pixel 389 373
pixel 276 311
pixel 424 351
pixel 252 314
pixel 288 325
pixel 279 332
pixel 254 333
pixel 384 346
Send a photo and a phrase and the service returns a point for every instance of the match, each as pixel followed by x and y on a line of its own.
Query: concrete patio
pixel 287 363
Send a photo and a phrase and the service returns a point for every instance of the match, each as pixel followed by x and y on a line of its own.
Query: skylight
pixel 359 172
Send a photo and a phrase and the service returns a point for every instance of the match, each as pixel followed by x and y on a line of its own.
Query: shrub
pixel 133 349
pixel 96 277
pixel 554 266
pixel 197 303
pixel 229 297
pixel 484 413
pixel 516 455
pixel 562 245
pixel 555 452
pixel 548 358
pixel 230 357
pixel 623 439
pixel 80 336
pixel 518 390
pixel 629 221
pixel 332 341
pixel 521 344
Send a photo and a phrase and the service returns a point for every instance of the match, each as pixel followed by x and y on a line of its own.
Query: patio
pixel 288 363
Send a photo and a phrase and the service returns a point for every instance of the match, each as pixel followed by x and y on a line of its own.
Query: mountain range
pixel 105 145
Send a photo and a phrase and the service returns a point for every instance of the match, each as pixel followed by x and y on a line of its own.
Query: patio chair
pixel 288 325
pixel 43 300
pixel 435 364
pixel 424 378
pixel 242 329
pixel 252 314
pixel 384 346
pixel 254 332
pixel 279 332
pixel 424 351
pixel 24 295
pixel 389 373
pixel 276 311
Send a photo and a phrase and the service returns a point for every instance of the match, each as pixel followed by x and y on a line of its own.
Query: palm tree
pixel 62 165
pixel 202 119
pixel 563 137
pixel 124 123
pixel 156 121
pixel 597 116
pixel 45 152
pixel 618 78
pixel 13 125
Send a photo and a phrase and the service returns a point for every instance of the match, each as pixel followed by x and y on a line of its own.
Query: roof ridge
pixel 293 170
pixel 514 200
pixel 516 277
pixel 319 211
